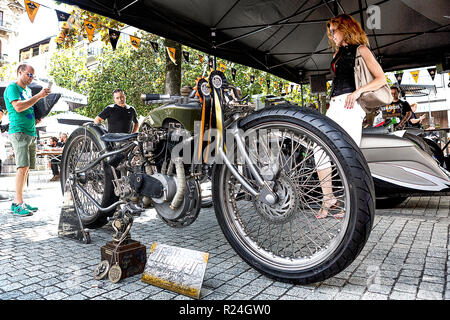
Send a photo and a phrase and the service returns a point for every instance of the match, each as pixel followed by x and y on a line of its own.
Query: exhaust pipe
pixel 181 184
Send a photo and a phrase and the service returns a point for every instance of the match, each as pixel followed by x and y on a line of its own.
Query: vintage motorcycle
pixel 263 171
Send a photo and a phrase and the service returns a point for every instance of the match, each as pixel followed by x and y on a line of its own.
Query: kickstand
pixel 70 224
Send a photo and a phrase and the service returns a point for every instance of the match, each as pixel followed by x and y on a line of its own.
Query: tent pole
pixel 301 87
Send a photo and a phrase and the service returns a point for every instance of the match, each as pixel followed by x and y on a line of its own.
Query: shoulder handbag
pixel 371 99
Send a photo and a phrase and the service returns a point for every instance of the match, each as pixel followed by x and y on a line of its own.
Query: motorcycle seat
pixel 117 137
pixel 375 130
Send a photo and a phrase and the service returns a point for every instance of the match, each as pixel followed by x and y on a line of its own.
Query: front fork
pixel 265 193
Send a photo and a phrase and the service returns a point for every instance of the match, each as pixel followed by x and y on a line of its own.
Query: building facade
pixel 10 15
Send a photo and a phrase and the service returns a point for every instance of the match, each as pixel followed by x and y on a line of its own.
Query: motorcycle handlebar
pixel 152 96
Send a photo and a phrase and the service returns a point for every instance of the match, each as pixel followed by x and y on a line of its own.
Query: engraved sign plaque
pixel 176 269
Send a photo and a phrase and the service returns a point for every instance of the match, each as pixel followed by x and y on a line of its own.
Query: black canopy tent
pixel 288 37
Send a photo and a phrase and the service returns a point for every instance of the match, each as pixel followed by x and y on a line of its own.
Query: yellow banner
pixel 415 75
pixel 90 29
pixel 171 52
pixel 32 9
pixel 135 41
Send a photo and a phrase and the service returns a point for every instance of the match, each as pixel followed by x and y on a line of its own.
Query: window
pixel 35 51
pixel 43 48
pixel 24 55
pixel 1 18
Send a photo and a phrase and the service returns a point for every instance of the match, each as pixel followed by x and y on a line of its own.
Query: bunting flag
pixel 222 67
pixel 233 73
pixel 399 77
pixel 62 16
pixel 292 88
pixel 261 80
pixel 275 85
pixel 286 87
pixel 268 84
pixel 32 8
pixel 171 52
pixel 135 41
pixel 114 37
pixel 90 29
pixel 200 57
pixel 415 75
pixel 186 56
pixel 155 47
pixel 252 79
pixel 432 72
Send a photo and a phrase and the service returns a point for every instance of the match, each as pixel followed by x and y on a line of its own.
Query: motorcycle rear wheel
pixel 81 149
pixel 286 241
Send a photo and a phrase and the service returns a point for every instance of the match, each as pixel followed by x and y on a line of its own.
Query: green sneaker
pixel 21 210
pixel 30 208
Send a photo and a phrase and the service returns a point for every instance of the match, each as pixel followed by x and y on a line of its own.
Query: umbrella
pixel 63 122
pixel 288 38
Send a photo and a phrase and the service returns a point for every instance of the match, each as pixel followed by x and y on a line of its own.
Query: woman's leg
pixel 351 121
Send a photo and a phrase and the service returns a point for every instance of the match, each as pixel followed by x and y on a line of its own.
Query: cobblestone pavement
pixel 406 257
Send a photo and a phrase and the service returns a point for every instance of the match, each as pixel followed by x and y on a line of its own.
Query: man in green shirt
pixel 22 131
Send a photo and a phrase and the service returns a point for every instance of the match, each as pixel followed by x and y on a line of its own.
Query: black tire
pixel 353 231
pixel 98 181
pixel 387 203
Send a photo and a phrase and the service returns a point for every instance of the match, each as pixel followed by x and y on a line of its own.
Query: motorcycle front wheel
pixel 288 240
pixel 81 149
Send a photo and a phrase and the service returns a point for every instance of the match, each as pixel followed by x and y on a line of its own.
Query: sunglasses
pixel 31 75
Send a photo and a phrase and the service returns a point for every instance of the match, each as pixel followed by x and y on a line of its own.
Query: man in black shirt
pixel 121 117
pixel 403 107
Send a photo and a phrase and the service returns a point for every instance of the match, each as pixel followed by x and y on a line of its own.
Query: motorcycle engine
pixel 157 145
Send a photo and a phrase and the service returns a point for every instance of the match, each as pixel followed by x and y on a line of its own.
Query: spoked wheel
pixel 81 149
pixel 287 240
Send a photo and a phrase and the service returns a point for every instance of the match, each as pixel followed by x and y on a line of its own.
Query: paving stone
pixel 56 296
pixel 429 295
pixel 399 295
pixel 402 287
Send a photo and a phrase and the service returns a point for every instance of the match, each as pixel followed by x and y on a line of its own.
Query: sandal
pixel 336 205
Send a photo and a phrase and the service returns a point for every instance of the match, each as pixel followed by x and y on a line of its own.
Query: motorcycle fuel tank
pixel 186 114
pixel 400 166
